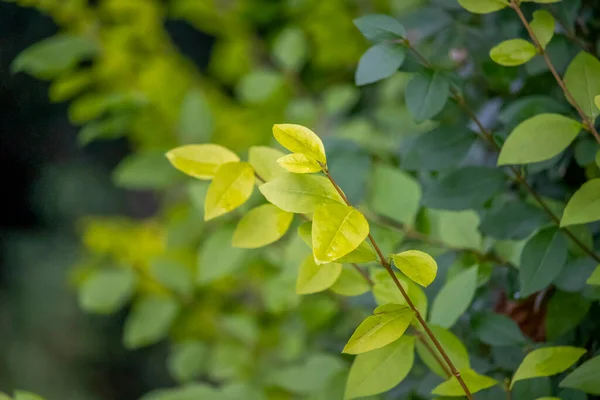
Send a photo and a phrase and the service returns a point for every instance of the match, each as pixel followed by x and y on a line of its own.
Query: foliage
pixel 457 168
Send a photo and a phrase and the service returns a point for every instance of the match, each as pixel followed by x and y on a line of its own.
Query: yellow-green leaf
pixel 299 139
pixel 350 283
pixel 231 187
pixel 543 26
pixel 264 161
pixel 200 160
pixel 387 325
pixel 483 6
pixel 300 193
pixel 473 380
pixel 597 101
pixel 512 53
pixel 416 265
pixel 586 377
pixel 299 163
pixel 547 361
pixel 337 230
pixel 538 139
pixel 451 344
pixel 380 370
pixel 594 279
pixel 261 226
pixel 583 81
pixel 313 278
pixel 584 206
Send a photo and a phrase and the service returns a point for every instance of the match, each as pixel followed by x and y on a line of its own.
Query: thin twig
pixel 433 353
pixel 385 263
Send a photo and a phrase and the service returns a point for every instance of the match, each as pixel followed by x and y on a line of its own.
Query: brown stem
pixel 384 262
pixel 433 353
pixel 589 124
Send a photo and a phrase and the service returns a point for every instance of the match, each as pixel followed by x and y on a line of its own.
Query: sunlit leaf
pixel 201 161
pixel 474 381
pixel 584 206
pixel 418 266
pixel 264 161
pixel 299 163
pixel 261 226
pixel 585 378
pixel 513 52
pixel 547 361
pixel 231 187
pixel 543 26
pixel 483 6
pixel 313 278
pixel 300 139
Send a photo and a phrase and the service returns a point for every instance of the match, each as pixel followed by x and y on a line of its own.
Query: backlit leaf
pixel 380 370
pixel 483 6
pixel 387 325
pixel 538 139
pixel 313 278
pixel 231 187
pixel 547 361
pixel 451 345
pixel 379 27
pixel 426 95
pixel 379 62
pixel 201 160
pixel 542 259
pixel 261 226
pixel 583 81
pixel 454 298
pixel 474 381
pixel 418 266
pixel 513 52
pixel 300 139
pixel 543 26
pixel 299 163
pixel 584 206
pixel 264 161
pixel 585 378
pixel 336 231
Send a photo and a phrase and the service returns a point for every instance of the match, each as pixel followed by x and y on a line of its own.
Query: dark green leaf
pixel 586 377
pixel 379 27
pixel 565 311
pixel 379 62
pixel 583 81
pixel 498 330
pixel 573 276
pixel 514 221
pixel 426 95
pixel 542 260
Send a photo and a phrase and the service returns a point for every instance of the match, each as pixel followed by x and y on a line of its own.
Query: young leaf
pixel 454 298
pixel 585 378
pixel 387 325
pixel 379 62
pixel 426 95
pixel 394 194
pixel 261 226
pixel 264 161
pixel 380 27
pixel 313 278
pixel 300 139
pixel 483 6
pixel 418 266
pixel 451 345
pixel 201 161
pixel 350 283
pixel 543 26
pixel 231 187
pixel 538 139
pixel 107 290
pixel 300 193
pixel 542 259
pixel 512 53
pixel 583 81
pixel 584 206
pixel 565 311
pixel 336 231
pixel 149 321
pixel 498 330
pixel 299 163
pixel 547 361
pixel 594 279
pixel 380 370
pixel 473 380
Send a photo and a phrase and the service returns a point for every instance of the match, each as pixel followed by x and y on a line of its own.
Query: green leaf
pixel 22 395
pixel 290 49
pixel 188 392
pixel 299 163
pixel 107 290
pixel 339 99
pixel 380 370
pixel 187 360
pixel 300 139
pixel 50 57
pixel 538 139
pixel 516 220
pixel 387 325
pixel 513 52
pixel 472 379
pixel 547 361
pixel 145 170
pixel 584 206
pixel 416 265
pixel 594 279
pixel 264 161
pixel 454 298
pixel 464 188
pixel 583 81
pixel 149 321
pixel 379 62
pixel 313 278
pixel 543 26
pixel 456 229
pixel 261 226
pixel 585 378
pixel 483 6
pixel 216 257
pixel 564 313
pixel 309 376
pixel 498 330
pixel 426 95
pixel 350 283
pixel 201 161
pixel 451 345
pixel 259 86
pixel 195 119
pixel 542 260
pixel 337 230
pixel 394 194
pixel 173 275
pixel 378 28
pixel 231 187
